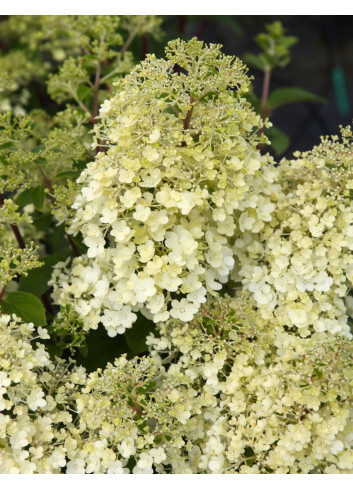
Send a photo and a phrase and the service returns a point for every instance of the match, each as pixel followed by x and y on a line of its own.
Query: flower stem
pixel 2 292
pixel 46 180
pixel 95 94
pixel 187 120
pixel 15 230
pixel 18 236
pixel 72 244
pixel 265 94
pixel 128 42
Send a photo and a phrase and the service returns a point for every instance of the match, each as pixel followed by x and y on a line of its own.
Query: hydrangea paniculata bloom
pixel 299 267
pixel 156 209
pixel 254 398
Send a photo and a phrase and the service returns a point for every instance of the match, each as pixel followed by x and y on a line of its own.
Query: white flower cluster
pixel 54 419
pixel 156 210
pixel 123 416
pixel 225 393
pixel 257 399
pixel 31 387
pixel 299 267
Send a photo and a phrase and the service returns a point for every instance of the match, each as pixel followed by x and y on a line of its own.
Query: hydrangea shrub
pixel 243 264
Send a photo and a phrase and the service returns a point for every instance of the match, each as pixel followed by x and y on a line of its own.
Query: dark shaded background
pixel 325 47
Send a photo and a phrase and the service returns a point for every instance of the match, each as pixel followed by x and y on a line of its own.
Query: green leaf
pixel 84 351
pixel 284 61
pixel 279 140
pixel 38 197
pixel 250 456
pixel 57 241
pixel 318 373
pixel 68 174
pixel 263 41
pixel 6 145
pixel 254 60
pixel 54 351
pixel 288 41
pixel 24 198
pixel 42 222
pixel 147 387
pixel 136 336
pixel 102 349
pixel 270 61
pixel 78 240
pixel 83 92
pixel 26 306
pixel 37 279
pixel 289 95
pixel 37 149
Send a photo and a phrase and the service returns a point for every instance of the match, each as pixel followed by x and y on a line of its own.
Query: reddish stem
pixel 18 236
pixel 46 181
pixel 73 246
pixel 265 94
pixel 187 120
pixel 2 292
pixel 15 230
pixel 144 42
